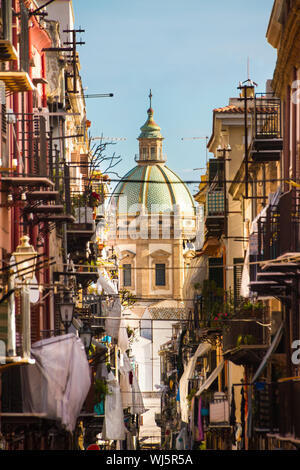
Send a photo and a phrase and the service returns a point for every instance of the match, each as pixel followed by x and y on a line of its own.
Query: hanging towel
pixel 233 408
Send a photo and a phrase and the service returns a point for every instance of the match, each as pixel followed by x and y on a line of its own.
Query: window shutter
pixel 6 6
pixel 43 147
pixel 127 275
pixel 24 38
pixel 35 323
pixel 237 278
pixel 67 188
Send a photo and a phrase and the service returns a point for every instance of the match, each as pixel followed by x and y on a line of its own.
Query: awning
pixel 210 379
pixel 202 349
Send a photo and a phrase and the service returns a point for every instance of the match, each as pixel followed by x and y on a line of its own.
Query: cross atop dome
pixel 150 98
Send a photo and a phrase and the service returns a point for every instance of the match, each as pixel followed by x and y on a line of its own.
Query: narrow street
pixel 149 228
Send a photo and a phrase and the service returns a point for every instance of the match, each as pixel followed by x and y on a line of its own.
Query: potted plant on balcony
pixel 251 309
pixel 101 390
pixel 216 305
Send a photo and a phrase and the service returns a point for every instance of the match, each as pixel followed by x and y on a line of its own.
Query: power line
pixel 180 181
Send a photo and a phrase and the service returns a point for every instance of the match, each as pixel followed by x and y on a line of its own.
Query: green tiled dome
pixel 156 187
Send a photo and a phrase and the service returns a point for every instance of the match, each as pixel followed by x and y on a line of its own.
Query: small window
pixel 127 275
pixel 152 150
pixel 160 274
pixel 144 153
pixel 146 329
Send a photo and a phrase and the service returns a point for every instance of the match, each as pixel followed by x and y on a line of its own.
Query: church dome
pixel 151 184
pixel 155 187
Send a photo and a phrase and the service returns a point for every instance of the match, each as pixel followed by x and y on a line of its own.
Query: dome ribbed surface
pixel 156 187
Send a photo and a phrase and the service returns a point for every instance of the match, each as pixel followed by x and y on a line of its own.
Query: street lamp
pixel 86 334
pixel 25 258
pixel 66 310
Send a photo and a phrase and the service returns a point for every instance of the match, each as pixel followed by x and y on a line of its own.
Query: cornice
pixel 288 53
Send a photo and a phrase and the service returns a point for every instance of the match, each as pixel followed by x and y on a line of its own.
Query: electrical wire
pixel 180 181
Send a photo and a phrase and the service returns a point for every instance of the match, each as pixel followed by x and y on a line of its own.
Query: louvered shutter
pixel 6 6
pixel 35 323
pixel 24 38
pixel 237 278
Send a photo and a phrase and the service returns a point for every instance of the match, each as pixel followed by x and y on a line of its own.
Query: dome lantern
pixel 150 139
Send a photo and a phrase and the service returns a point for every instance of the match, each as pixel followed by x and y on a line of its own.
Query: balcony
pixel 289 409
pixel 277 409
pixel 215 212
pixel 95 309
pixel 276 242
pixel 267 140
pixel 266 407
pixel 17 81
pixel 207 309
pixel 83 228
pixel 245 340
pixel 7 51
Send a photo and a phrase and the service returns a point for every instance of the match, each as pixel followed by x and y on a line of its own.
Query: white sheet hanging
pixel 59 381
pixel 131 393
pixel 112 325
pixel 113 426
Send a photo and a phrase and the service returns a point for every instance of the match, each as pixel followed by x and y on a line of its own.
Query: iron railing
pixel 279 230
pixel 266 409
pixel 243 331
pixel 289 408
pixel 267 116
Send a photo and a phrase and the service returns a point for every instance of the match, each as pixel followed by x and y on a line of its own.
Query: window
pixel 127 275
pixel 152 150
pixel 146 329
pixel 160 274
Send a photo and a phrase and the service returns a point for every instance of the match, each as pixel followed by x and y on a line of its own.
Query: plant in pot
pixel 101 390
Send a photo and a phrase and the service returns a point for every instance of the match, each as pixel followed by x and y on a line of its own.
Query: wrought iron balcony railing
pixel 267 113
pixel 267 133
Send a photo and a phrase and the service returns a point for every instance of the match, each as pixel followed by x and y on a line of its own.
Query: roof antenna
pixel 248 68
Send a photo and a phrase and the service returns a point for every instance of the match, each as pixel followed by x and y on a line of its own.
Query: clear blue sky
pixel 191 53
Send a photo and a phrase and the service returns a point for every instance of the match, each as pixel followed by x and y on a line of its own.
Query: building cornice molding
pixel 288 53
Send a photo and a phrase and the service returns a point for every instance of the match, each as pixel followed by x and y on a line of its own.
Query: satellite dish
pixel 34 293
